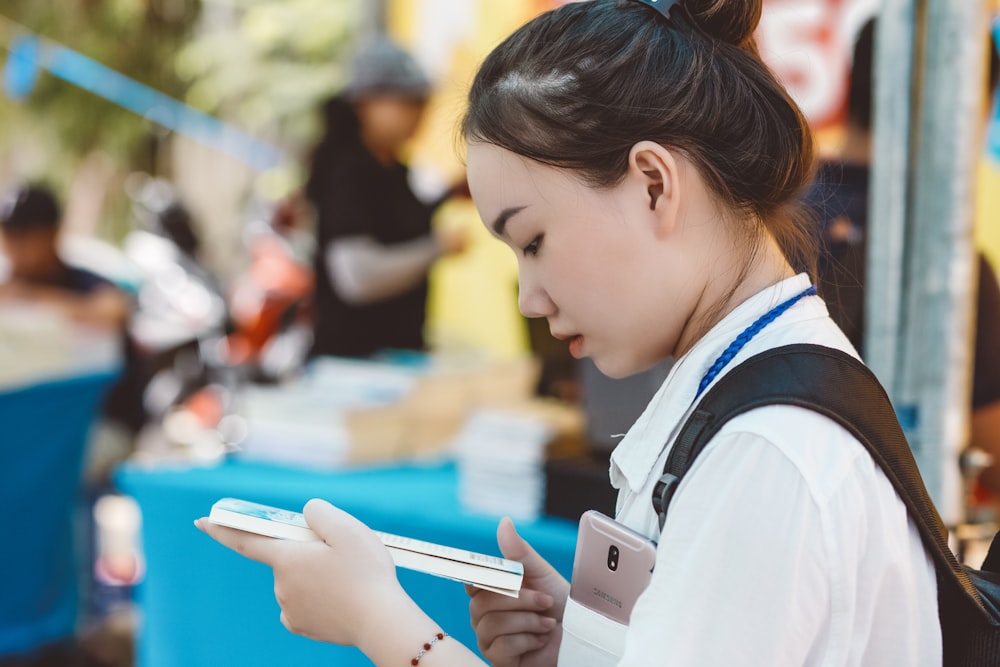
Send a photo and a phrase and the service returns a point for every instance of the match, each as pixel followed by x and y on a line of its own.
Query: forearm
pixel 399 633
pixel 364 271
pixel 106 308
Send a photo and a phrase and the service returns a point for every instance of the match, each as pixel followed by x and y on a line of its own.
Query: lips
pixel 576 347
pixel 575 343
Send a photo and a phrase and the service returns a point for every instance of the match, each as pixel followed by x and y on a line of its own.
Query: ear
pixel 656 170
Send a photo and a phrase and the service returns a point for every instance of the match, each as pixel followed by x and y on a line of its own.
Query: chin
pixel 619 369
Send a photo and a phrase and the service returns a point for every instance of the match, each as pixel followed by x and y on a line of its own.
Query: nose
pixel 532 299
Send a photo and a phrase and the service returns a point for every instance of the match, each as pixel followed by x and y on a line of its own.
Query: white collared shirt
pixel 784 544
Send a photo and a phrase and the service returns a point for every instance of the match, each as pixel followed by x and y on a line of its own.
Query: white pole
pixel 929 373
pixel 892 77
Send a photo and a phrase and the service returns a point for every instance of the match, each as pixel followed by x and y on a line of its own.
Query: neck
pixel 723 294
pixel 382 154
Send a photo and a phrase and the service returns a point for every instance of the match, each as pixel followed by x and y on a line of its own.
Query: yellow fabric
pixel 988 210
pixel 472 303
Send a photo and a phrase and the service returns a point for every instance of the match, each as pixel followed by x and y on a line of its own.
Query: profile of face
pixel 648 180
pixel 389 121
pixel 31 253
pixel 615 271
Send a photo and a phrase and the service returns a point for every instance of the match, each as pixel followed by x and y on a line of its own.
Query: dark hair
pixel 859 91
pixel 994 71
pixel 578 86
pixel 341 131
pixel 30 207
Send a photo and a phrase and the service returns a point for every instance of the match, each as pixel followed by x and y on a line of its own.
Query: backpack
pixel 837 385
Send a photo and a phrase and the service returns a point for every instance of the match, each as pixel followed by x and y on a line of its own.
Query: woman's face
pixel 31 253
pixel 596 263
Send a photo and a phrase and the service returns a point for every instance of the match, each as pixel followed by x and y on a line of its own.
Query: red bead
pixel 414 662
pixel 427 647
pixel 440 635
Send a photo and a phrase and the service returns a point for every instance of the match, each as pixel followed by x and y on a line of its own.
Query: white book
pixel 480 570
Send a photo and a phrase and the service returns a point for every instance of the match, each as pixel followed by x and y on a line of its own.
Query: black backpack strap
pixel 834 384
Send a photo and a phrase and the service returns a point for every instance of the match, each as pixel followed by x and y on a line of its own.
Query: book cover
pixel 481 570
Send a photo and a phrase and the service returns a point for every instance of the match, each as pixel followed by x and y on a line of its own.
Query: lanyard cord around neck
pixel 745 337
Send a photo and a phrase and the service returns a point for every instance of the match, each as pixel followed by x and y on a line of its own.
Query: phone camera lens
pixel 613 558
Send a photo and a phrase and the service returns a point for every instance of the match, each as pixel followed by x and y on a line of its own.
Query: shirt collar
pixel 634 458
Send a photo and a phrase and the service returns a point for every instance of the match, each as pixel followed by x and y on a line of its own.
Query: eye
pixel 532 248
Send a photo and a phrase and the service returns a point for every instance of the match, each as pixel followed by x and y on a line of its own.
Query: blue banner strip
pixel 128 93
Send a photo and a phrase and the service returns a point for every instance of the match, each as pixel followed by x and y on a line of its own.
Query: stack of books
pixel 501 463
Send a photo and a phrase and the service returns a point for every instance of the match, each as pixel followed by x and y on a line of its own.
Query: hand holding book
pixel 342 588
pixel 479 570
pixel 333 589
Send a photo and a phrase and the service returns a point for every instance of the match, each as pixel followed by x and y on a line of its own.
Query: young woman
pixel 645 167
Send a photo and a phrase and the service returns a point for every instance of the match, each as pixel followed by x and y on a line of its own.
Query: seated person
pixel 29 230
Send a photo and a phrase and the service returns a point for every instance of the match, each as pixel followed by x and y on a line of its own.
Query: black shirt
pixel 361 197
pixel 81 281
pixel 840 199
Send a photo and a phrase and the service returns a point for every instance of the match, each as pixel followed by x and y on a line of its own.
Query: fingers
pixel 512 633
pixel 506 647
pixel 514 547
pixel 255 547
pixel 331 523
pixel 483 603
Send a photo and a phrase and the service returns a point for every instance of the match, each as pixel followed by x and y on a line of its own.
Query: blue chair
pixel 43 436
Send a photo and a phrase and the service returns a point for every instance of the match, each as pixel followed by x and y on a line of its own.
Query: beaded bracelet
pixel 427 647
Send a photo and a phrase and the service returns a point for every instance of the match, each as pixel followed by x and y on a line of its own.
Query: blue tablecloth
pixel 44 431
pixel 202 604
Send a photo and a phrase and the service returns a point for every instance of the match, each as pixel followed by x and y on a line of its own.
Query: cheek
pixel 608 270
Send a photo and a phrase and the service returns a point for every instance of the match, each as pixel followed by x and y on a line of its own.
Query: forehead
pixel 499 178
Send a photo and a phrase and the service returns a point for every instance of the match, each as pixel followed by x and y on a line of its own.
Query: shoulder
pixel 348 166
pixel 809 446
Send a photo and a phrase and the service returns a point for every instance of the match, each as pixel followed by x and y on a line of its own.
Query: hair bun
pixel 732 21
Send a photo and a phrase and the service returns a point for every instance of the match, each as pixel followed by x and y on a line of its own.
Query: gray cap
pixel 381 67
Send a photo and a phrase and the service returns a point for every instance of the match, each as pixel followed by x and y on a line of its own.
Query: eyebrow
pixel 500 223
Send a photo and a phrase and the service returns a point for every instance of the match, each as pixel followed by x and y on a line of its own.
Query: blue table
pixel 202 604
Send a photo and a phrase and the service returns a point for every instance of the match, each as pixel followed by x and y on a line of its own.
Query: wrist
pixel 395 630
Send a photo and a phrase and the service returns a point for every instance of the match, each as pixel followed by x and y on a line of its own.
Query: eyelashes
pixel 532 248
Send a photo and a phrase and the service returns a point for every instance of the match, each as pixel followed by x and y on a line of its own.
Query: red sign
pixel 808 44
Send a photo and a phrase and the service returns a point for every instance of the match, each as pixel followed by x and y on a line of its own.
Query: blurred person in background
pixel 840 199
pixel 29 229
pixel 374 241
pixel 37 274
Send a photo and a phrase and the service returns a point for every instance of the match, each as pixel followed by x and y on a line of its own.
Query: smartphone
pixel 612 566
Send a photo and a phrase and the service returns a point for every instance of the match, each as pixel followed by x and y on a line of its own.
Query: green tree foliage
pixel 261 65
pixel 267 64
pixel 139 38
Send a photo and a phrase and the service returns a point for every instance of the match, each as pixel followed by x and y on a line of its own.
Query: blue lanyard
pixel 745 337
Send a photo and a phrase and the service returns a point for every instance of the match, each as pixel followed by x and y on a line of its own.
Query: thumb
pixel 329 522
pixel 514 547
